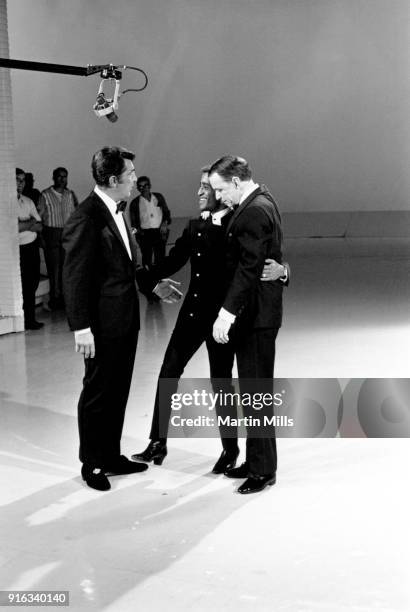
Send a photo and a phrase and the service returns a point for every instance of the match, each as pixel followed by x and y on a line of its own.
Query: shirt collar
pixel 217 216
pixel 151 201
pixel 109 202
pixel 58 193
pixel 248 190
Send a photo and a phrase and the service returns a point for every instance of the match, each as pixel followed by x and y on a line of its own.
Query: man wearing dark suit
pixel 101 297
pixel 150 218
pixel 203 244
pixel 251 313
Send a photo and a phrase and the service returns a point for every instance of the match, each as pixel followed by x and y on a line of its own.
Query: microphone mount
pixel 108 72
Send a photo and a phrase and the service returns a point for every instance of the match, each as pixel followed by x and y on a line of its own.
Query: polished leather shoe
pixel 253 485
pixel 226 461
pixel 122 465
pixel 156 451
pixel 95 478
pixel 240 472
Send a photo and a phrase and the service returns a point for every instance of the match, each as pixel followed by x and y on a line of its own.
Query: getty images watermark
pixel 292 408
pixel 226 401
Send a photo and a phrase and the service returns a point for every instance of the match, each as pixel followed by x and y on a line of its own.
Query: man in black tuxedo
pixel 203 244
pixel 99 278
pixel 251 313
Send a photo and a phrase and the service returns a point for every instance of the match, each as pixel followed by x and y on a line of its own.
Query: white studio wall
pixel 315 94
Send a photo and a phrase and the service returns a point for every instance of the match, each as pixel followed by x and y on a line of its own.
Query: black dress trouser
pixel 151 243
pixel 30 277
pixel 186 339
pixel 255 357
pixel 54 255
pixel 102 403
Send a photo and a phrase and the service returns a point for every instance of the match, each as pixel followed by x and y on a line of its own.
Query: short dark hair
pixel 229 166
pixel 109 161
pixel 58 170
pixel 143 178
pixel 20 171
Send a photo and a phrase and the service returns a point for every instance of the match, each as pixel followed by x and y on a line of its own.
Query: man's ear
pixel 112 181
pixel 236 181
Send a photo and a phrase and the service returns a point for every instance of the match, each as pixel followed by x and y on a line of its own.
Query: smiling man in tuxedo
pixel 202 243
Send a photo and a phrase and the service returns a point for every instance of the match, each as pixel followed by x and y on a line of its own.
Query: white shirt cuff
pixel 78 332
pixel 226 316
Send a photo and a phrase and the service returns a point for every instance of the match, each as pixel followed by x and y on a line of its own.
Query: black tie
pixel 121 206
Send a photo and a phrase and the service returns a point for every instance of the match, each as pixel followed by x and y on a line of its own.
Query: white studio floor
pixel 331 536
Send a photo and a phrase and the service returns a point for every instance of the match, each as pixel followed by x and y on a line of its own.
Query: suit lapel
pixel 107 216
pixel 226 219
pixel 131 240
pixel 242 207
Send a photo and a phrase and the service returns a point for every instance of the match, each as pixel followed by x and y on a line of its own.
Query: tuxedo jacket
pixel 99 278
pixel 135 210
pixel 203 244
pixel 253 234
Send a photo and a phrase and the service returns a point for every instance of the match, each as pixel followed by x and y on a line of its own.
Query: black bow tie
pixel 121 206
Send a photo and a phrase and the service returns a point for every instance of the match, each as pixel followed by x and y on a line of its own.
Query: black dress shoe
pixel 226 461
pixel 156 451
pixel 95 478
pixel 34 325
pixel 240 472
pixel 122 465
pixel 253 485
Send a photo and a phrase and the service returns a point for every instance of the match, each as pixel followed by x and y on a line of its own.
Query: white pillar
pixel 11 313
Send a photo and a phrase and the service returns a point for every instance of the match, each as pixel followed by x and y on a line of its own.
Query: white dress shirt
pixel 150 213
pixel 215 216
pixel 26 210
pixel 118 217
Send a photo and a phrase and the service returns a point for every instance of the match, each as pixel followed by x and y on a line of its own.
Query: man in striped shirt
pixel 56 204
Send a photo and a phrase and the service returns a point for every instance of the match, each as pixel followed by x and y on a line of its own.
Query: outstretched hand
pixel 166 290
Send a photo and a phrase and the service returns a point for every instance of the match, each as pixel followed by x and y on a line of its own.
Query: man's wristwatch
pixel 284 277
